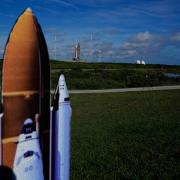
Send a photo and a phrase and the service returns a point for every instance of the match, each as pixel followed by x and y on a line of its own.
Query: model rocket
pixel 61 123
pixel 25 85
pixel 26 102
pixel 28 158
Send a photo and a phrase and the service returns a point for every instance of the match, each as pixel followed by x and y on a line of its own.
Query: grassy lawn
pixel 108 75
pixel 81 75
pixel 126 136
pixel 101 79
pixel 102 65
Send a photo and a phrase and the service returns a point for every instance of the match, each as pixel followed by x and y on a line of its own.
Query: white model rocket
pixel 28 159
pixel 61 123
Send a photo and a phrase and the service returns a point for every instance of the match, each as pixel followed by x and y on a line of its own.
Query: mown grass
pixel 126 136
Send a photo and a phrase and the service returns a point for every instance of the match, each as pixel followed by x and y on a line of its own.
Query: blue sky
pixel 108 30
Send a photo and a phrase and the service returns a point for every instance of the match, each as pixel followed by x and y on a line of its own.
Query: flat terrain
pixel 133 135
pixel 81 75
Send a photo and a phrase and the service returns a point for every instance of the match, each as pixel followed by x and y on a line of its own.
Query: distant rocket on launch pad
pixel 77 52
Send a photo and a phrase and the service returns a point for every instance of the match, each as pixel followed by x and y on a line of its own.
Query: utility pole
pixel 55 47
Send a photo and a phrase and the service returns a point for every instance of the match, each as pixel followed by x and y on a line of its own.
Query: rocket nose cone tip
pixel 29 10
pixel 62 78
pixel 28 121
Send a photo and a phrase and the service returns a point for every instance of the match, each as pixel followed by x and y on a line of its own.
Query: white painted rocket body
pixel 61 125
pixel 28 158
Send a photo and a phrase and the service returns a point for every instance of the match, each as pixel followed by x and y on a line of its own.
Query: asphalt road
pixel 155 88
pixel 121 90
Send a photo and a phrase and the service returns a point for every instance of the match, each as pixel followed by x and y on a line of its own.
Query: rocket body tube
pixel 61 119
pixel 25 85
pixel 62 143
pixel 1 115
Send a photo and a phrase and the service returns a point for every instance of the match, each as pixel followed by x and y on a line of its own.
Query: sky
pixel 108 30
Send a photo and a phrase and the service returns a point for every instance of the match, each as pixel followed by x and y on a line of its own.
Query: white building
pixel 143 62
pixel 140 62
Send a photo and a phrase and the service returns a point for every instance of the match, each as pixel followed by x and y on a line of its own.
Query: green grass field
pixel 81 75
pixel 103 65
pixel 126 136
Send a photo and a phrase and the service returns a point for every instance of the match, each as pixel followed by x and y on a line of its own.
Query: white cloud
pixel 143 36
pixel 132 52
pixel 176 37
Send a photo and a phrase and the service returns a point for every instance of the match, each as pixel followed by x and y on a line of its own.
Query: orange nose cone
pixel 21 61
pixel 25 85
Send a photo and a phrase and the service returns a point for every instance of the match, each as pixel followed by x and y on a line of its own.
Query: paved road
pixel 156 88
pixel 121 90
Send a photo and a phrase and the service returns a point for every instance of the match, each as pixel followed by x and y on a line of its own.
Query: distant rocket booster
pixel 28 159
pixel 61 123
pixel 77 51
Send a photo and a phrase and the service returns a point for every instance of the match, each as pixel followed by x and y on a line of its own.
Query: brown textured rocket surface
pixel 25 82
